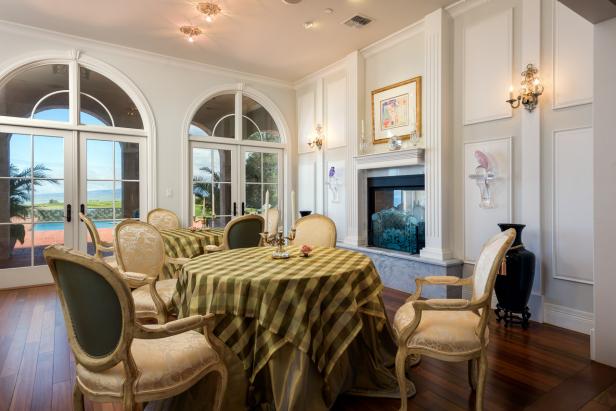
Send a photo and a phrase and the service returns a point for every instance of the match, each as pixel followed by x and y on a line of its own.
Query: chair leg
pixel 401 374
pixel 481 380
pixel 221 388
pixel 472 373
pixel 77 398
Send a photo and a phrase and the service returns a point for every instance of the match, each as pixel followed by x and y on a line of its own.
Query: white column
pixel 530 210
pixel 355 76
pixel 437 130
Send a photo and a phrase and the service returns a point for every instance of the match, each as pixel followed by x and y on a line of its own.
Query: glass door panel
pixel 213 175
pixel 111 192
pixel 261 174
pixel 34 195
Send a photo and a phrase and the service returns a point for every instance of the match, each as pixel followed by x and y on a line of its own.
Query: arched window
pixel 65 149
pixel 236 157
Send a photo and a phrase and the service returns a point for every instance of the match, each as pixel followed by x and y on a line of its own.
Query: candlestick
pixel 293 210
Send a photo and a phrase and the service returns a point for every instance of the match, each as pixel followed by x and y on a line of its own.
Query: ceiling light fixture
pixel 309 25
pixel 191 32
pixel 328 11
pixel 209 9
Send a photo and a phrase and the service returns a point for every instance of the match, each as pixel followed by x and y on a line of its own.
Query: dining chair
pixel 140 251
pixel 118 359
pixel 273 220
pixel 163 219
pixel 452 329
pixel 100 246
pixel 315 230
pixel 241 232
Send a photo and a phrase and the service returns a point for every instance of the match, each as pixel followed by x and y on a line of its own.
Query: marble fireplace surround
pixel 398 269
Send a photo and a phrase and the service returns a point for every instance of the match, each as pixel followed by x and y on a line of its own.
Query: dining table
pixel 187 243
pixel 294 333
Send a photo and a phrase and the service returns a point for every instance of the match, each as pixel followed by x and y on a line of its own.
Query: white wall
pixel 605 191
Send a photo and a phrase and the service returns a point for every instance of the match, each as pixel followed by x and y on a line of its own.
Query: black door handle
pixel 234 209
pixel 243 209
pixel 82 209
pixel 69 211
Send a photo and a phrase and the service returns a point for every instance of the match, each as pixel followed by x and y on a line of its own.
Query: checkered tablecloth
pixel 261 304
pixel 184 243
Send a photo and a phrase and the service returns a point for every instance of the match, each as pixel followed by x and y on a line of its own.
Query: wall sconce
pixel 530 92
pixel 317 140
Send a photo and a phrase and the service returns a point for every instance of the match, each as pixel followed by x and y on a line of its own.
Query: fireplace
pixel 396 213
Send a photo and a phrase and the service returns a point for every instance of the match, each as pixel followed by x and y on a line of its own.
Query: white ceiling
pixel 263 37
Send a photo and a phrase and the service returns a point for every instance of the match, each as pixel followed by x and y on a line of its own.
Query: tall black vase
pixel 513 289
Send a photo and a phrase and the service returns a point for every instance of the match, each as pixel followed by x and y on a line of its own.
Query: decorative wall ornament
pixel 396 109
pixel 334 184
pixel 484 176
pixel 530 91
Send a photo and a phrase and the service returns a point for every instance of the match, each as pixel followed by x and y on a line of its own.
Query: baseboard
pixel 569 318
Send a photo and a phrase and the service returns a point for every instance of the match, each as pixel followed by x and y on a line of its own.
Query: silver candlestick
pixel 278 240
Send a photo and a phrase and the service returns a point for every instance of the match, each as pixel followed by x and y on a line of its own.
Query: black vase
pixel 305 213
pixel 513 289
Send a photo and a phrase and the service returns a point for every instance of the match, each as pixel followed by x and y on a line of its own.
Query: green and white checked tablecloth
pixel 184 243
pixel 261 304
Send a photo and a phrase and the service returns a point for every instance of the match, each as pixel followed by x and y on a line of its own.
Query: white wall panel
pixel 335 110
pixel 573 205
pixel 480 223
pixel 306 182
pixel 306 118
pixel 487 49
pixel 573 58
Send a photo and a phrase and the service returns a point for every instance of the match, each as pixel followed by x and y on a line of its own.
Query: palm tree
pixel 20 186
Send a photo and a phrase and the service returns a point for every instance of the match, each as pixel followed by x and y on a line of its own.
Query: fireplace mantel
pixel 390 159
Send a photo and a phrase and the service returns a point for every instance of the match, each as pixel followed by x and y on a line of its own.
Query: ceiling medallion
pixel 191 32
pixel 209 9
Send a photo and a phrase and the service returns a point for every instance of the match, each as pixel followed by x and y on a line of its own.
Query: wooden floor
pixel 544 368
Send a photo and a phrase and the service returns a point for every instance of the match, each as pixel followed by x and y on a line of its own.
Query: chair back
pixel 97 306
pixel 243 232
pixel 316 230
pixel 489 262
pixel 163 219
pixel 93 231
pixel 139 248
pixel 273 220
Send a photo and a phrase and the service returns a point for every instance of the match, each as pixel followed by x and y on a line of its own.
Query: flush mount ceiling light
pixel 209 9
pixel 191 32
pixel 291 1
pixel 308 24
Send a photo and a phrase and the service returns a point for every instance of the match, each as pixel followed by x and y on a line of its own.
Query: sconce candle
pixel 531 90
pixel 317 140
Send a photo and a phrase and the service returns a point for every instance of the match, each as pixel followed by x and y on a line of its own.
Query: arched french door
pixel 237 156
pixel 71 140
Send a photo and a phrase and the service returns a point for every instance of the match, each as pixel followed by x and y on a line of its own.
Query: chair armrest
pixel 213 248
pixel 440 304
pixel 437 280
pixel 177 261
pixel 173 327
pixel 136 280
pixel 105 246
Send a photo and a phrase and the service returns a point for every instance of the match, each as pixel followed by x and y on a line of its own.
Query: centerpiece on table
pixel 278 240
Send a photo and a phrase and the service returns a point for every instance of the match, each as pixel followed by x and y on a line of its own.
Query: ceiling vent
pixel 358 21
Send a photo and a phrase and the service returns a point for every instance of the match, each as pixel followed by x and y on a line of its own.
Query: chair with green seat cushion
pixel 241 232
pixel 117 359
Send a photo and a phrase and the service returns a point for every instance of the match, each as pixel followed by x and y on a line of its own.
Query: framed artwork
pixel 396 111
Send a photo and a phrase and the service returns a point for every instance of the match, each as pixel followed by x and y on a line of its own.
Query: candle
pixel 362 129
pixel 510 92
pixel 213 202
pixel 266 210
pixel 293 211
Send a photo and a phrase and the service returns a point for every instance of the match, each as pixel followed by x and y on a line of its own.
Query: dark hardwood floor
pixel 544 368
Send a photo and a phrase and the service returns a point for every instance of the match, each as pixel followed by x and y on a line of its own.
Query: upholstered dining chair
pixel 316 230
pixel 241 232
pixel 117 359
pixel 140 252
pixel 163 219
pixel 100 246
pixel 452 329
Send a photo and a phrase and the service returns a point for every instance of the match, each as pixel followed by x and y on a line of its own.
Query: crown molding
pixel 393 39
pixel 40 33
pixel 462 6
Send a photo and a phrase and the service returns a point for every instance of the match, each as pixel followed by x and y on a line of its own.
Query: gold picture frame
pixel 398 112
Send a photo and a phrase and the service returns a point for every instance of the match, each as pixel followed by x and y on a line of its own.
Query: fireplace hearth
pixel 396 213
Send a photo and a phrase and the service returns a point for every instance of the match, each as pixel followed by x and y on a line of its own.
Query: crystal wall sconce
pixel 484 177
pixel 530 91
pixel 317 140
